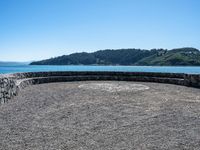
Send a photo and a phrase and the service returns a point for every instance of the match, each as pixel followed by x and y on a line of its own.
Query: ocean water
pixel 30 68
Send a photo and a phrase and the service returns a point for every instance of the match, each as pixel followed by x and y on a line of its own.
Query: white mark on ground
pixel 114 87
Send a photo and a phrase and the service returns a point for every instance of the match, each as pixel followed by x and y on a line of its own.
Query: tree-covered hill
pixel 157 57
pixel 175 57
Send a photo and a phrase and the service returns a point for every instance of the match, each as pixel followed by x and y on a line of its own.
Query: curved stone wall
pixel 10 84
pixel 8 89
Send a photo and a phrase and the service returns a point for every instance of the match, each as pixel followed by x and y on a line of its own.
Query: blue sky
pixel 39 29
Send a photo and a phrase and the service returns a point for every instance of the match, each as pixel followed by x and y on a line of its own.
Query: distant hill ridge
pixel 4 63
pixel 155 57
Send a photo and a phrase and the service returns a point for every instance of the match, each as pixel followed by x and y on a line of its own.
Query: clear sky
pixel 39 29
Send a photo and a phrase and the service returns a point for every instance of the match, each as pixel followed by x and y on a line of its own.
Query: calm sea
pixel 28 68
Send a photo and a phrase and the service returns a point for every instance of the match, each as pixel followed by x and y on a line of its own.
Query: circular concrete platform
pixel 101 115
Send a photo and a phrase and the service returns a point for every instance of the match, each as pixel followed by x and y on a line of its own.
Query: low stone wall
pixel 91 73
pixel 192 80
pixel 10 84
pixel 8 89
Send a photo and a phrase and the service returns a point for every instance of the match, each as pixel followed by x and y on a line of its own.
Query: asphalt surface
pixel 97 115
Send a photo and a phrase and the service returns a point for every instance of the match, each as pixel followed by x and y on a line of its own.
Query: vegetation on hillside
pixel 154 57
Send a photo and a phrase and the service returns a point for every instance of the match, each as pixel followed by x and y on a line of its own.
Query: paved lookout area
pixel 101 115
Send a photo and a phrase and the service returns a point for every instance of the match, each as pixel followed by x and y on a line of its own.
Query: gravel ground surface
pixel 102 115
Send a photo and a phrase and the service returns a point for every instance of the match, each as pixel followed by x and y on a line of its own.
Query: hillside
pixel 154 57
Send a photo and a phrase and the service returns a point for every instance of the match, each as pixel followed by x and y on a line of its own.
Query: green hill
pixel 154 57
pixel 175 57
